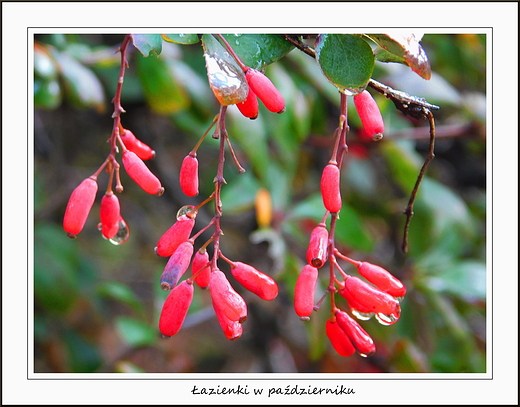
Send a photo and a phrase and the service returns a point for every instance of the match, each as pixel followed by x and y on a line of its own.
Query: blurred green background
pixel 97 304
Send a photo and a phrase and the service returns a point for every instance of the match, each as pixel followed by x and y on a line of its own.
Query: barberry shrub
pixel 235 78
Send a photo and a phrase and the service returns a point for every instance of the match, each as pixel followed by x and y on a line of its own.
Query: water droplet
pixel 122 234
pixel 387 319
pixel 353 91
pixel 188 210
pixel 226 79
pixel 363 316
pixel 99 226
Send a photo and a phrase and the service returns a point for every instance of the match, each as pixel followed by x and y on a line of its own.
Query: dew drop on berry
pixel 188 210
pixel 363 316
pixel 122 234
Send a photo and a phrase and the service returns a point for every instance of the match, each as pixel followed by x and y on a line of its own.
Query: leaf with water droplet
pixel 404 49
pixel 346 60
pixel 184 39
pixel 226 78
pixel 258 50
pixel 147 43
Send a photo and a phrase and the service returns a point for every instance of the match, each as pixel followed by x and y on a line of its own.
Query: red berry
pixel 171 239
pixel 78 207
pixel 175 308
pixel 304 292
pixel 330 188
pixel 317 249
pixel 198 268
pixel 382 279
pixel 140 173
pixel 366 299
pixel 110 215
pixel 358 336
pixel 249 107
pixel 177 265
pixel 255 281
pixel 225 298
pixel 369 114
pixel 265 90
pixel 232 329
pixel 189 176
pixel 339 339
pixel 131 142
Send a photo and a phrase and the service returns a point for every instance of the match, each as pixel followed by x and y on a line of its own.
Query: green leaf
pixel 82 86
pixel 258 50
pixel 239 195
pixel 147 43
pixel 351 232
pixel 184 39
pixel 404 49
pixel 134 332
pixel 44 65
pixel 120 292
pixel 83 356
pixel 346 60
pixel 163 92
pixel 47 94
pixel 309 208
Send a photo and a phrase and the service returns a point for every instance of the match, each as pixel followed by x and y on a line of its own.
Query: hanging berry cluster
pixel 134 152
pixel 381 297
pixel 231 86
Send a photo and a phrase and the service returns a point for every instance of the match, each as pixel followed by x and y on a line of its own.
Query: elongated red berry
pixel 339 338
pixel 232 329
pixel 225 298
pixel 141 174
pixel 255 281
pixel 317 249
pixel 369 114
pixel 200 268
pixel 110 215
pixel 265 90
pixel 78 207
pixel 171 239
pixel 175 308
pixel 366 298
pixel 249 107
pixel 330 188
pixel 382 279
pixel 304 292
pixel 189 176
pixel 177 265
pixel 358 336
pixel 131 142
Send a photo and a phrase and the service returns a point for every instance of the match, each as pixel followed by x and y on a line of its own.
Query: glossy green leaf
pixel 404 49
pixel 147 43
pixel 184 39
pixel 82 86
pixel 309 208
pixel 134 332
pixel 346 60
pixel 258 50
pixel 163 92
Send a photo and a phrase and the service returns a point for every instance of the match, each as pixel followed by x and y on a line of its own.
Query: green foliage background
pixel 97 305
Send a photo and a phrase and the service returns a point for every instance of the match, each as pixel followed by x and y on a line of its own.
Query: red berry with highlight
pixel 255 281
pixel 178 233
pixel 339 339
pixel 78 207
pixel 110 215
pixel 382 279
pixel 369 114
pixel 225 298
pixel 175 308
pixel 249 107
pixel 304 292
pixel 265 90
pixel 200 268
pixel 232 329
pixel 131 142
pixel 177 265
pixel 317 249
pixel 330 188
pixel 141 174
pixel 189 176
pixel 358 336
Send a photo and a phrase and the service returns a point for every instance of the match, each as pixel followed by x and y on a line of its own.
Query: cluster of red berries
pixel 112 225
pixel 381 294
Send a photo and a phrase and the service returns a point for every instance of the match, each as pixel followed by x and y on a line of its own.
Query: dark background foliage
pixel 97 304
